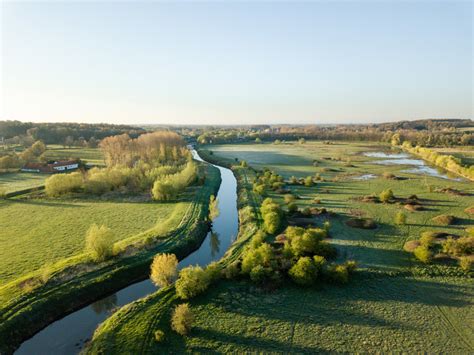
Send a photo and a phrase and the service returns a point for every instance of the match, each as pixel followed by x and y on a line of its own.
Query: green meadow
pixel 393 303
pixel 16 181
pixel 88 155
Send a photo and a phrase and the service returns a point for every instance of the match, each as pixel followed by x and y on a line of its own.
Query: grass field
pixel 88 155
pixel 33 301
pixel 11 182
pixel 56 229
pixel 393 303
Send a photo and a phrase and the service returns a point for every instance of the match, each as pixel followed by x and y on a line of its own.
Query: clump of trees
pixel 168 187
pixel 268 180
pixel 99 242
pixel 163 270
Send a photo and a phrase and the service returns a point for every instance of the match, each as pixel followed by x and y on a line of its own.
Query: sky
pixel 245 62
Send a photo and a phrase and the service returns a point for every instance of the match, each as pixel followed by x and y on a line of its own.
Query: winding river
pixel 69 334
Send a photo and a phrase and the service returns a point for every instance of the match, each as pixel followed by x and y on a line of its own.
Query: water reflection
pixel 105 305
pixel 214 243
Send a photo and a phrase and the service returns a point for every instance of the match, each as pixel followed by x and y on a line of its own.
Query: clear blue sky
pixel 236 62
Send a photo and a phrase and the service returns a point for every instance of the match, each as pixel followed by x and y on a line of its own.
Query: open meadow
pixel 393 303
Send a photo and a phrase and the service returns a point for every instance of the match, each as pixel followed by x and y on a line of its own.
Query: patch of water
pixel 404 161
pixel 386 155
pixel 365 177
pixel 426 170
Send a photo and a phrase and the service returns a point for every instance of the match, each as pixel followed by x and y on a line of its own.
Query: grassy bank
pixel 30 302
pixel 393 304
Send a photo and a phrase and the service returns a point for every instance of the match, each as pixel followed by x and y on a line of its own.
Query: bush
pixel 293 180
pixel 232 271
pixel 258 274
pixel 423 254
pixel 164 269
pixel 60 184
pixel 99 242
pixel 159 336
pixel 386 196
pixel 214 271
pixel 304 272
pixel 289 198
pixel 400 218
pixel 271 222
pixel 306 212
pixel 308 181
pixel 182 319
pixel 263 256
pixel 339 274
pixel 192 281
pixel 163 191
pixel 466 263
pixel 257 240
pixel 444 219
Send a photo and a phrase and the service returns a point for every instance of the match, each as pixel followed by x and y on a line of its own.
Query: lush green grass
pixel 88 155
pixel 11 182
pixel 56 229
pixel 393 304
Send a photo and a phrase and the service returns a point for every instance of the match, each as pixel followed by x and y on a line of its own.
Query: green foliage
pixel 423 254
pixel 263 255
pixel 400 218
pixel 386 195
pixel 192 281
pixel 308 181
pixel 339 274
pixel 99 242
pixel 164 191
pixel 289 198
pixel 167 187
pixel 304 241
pixel 271 222
pixel 159 336
pixel 292 207
pixel 182 319
pixel 61 184
pixel 466 263
pixel 164 269
pixel 304 272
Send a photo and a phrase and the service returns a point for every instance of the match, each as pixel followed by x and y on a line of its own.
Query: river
pixel 69 334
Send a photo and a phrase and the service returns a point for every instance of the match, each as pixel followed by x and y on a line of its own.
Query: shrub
pixel 258 274
pixel 400 218
pixel 293 180
pixel 466 263
pixel 192 281
pixel 386 195
pixel 319 262
pixel 99 242
pixel 214 271
pixel 389 176
pixel 159 336
pixel 327 226
pixel 163 269
pixel 308 181
pixel 243 164
pixel 306 212
pixel 351 266
pixel 163 191
pixel 258 239
pixel 259 189
pixel 289 198
pixel 304 272
pixel 444 219
pixel 232 270
pixel 271 222
pixel 423 254
pixel 339 274
pixel 60 184
pixel 263 255
pixel 182 319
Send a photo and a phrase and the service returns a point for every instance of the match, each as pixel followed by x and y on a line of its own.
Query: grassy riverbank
pixel 33 301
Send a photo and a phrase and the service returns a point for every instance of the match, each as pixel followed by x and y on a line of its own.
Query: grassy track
pixel 76 281
pixel 393 303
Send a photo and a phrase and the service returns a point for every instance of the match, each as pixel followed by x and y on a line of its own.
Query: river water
pixel 69 334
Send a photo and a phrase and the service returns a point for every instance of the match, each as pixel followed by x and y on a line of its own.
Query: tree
pixel 386 195
pixel 68 141
pixel 304 272
pixel 192 281
pixel 263 255
pixel 400 218
pixel 271 222
pixel 423 254
pixel 99 242
pixel 182 319
pixel 163 270
pixel 289 198
pixel 163 191
pixel 60 184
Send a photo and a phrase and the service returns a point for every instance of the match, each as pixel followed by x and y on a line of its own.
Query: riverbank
pixel 78 283
pixel 144 316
